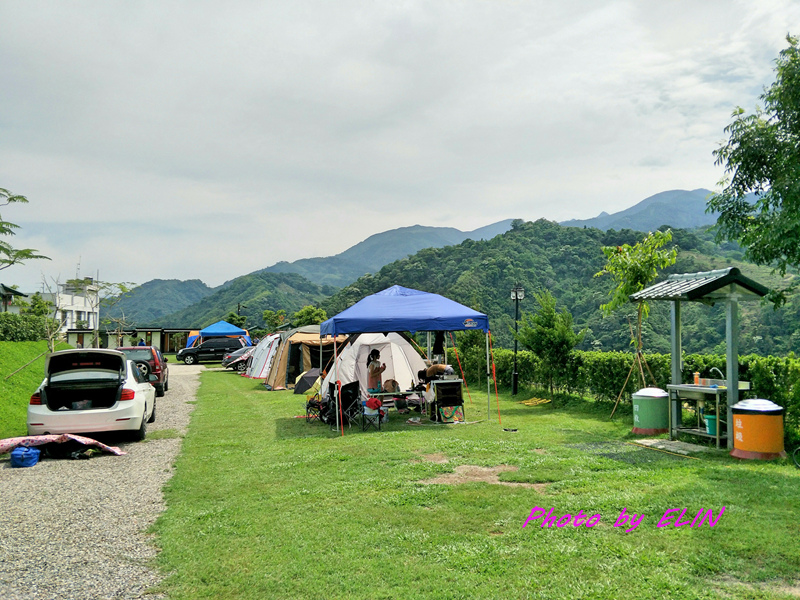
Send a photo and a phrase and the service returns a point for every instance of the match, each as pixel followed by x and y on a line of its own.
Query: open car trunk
pixel 81 395
pixel 84 380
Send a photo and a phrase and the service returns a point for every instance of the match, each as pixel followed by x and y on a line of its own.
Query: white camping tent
pixel 262 356
pixel 401 359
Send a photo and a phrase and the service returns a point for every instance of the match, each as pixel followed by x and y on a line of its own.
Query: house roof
pixel 7 291
pixel 705 286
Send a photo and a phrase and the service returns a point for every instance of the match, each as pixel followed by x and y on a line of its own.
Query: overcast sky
pixel 205 140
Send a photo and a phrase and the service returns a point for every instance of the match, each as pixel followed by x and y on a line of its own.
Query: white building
pixel 78 306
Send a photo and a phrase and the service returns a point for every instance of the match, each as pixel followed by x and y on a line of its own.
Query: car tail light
pixel 127 394
pixel 36 399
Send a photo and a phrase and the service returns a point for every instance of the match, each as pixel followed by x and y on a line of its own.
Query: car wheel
pixel 153 414
pixel 141 433
pixel 241 366
pixel 166 384
pixel 159 390
pixel 144 368
pixel 189 359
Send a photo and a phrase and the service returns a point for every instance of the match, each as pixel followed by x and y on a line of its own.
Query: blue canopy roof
pixel 403 309
pixel 221 328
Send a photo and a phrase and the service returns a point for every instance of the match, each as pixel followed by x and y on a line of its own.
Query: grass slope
pixel 263 505
pixel 16 390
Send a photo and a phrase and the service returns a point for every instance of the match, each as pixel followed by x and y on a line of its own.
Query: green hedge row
pixel 601 375
pixel 22 328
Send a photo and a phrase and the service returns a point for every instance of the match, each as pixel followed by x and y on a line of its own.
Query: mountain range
pixel 679 209
pixel 291 285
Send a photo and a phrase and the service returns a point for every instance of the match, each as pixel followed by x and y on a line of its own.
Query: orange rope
pixel 460 368
pixel 494 377
pixel 421 349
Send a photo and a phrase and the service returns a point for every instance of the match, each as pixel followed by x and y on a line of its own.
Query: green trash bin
pixel 650 412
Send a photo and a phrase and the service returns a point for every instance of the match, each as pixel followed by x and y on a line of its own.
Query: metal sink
pixel 710 387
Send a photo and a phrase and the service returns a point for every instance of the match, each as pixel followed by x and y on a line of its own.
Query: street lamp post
pixel 517 294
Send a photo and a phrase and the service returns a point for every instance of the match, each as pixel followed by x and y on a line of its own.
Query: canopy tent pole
pixel 429 347
pixel 494 377
pixel 488 383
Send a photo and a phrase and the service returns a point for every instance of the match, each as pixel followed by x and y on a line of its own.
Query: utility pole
pixel 517 294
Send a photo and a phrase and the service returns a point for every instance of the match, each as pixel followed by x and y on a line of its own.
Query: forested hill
pixel 544 255
pixel 380 249
pixel 155 299
pixel 251 295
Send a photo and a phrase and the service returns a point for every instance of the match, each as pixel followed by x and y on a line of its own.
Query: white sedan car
pixel 89 390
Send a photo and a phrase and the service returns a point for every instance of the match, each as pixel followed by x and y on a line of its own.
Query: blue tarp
pixel 223 329
pixel 403 309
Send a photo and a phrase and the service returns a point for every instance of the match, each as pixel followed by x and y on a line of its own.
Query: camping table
pixel 388 398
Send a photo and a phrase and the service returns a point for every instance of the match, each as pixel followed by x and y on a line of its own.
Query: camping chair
pixel 351 403
pixel 370 417
pixel 313 408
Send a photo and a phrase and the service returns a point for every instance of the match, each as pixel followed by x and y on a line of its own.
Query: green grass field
pixel 264 505
pixel 16 388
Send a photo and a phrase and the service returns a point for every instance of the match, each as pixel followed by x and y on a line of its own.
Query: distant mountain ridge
pixel 680 209
pixel 381 249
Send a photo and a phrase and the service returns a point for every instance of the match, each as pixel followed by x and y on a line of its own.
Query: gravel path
pixel 77 528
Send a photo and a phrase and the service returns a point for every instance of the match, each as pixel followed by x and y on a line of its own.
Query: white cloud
pixel 162 125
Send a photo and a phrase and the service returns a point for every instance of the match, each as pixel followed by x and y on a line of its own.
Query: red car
pixel 150 361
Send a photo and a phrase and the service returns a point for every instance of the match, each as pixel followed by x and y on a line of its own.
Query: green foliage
pixel 762 156
pixel 8 254
pixel 234 319
pixel 273 319
pixel 16 389
pixel 38 306
pixel 381 249
pixel 308 315
pixel 258 292
pixel 550 335
pixel 156 299
pixel 22 328
pixel 547 256
pixel 633 268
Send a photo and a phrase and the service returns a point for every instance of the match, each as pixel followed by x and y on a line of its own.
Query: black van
pixel 211 350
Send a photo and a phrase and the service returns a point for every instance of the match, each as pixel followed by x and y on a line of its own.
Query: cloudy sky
pixel 153 138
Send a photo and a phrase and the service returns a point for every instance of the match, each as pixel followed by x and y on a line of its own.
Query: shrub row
pixel 601 374
pixel 22 328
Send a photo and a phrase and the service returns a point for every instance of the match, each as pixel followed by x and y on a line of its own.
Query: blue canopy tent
pixel 220 329
pixel 403 309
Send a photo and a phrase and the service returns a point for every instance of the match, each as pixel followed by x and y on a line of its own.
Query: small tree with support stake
pixel 633 268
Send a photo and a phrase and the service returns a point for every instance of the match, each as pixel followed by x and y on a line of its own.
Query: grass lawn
pixel 21 372
pixel 263 505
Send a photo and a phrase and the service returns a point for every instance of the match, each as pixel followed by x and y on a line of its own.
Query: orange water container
pixel 757 430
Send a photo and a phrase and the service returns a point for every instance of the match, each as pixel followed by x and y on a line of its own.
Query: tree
pixel 274 319
pixel 633 268
pixel 234 319
pixel 550 335
pixel 9 255
pixel 37 306
pixel 308 315
pixel 762 157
